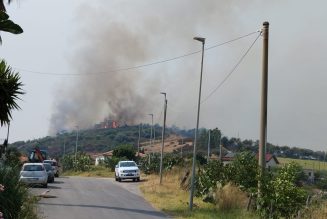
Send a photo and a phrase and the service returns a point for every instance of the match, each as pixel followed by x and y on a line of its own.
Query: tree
pixel 127 151
pixel 7 25
pixel 10 89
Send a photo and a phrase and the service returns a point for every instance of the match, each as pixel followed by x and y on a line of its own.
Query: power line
pixel 232 71
pixel 137 66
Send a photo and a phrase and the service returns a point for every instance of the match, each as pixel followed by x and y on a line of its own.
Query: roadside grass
pixel 306 164
pixel 317 211
pixel 174 201
pixel 94 171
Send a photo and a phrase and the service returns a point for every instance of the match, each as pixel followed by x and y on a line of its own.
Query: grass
pixel 306 164
pixel 172 200
pixel 95 171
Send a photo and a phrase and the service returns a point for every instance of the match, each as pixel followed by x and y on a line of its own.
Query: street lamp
pixel 163 135
pixel 76 142
pixel 202 40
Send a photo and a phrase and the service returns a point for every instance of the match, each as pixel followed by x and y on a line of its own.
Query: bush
pixel 168 162
pixel 127 151
pixel 230 197
pixel 209 177
pixel 243 171
pixel 15 201
pixel 81 163
pixel 112 162
pixel 281 197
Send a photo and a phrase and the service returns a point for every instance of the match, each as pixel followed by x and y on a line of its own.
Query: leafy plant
pixel 127 151
pixel 7 25
pixel 10 89
pixel 281 197
pixel 14 195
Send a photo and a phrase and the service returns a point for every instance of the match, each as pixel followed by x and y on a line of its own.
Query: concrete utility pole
pixel 163 135
pixel 208 158
pixel 151 128
pixel 151 136
pixel 138 141
pixel 202 40
pixel 76 142
pixel 64 146
pixel 220 150
pixel 263 108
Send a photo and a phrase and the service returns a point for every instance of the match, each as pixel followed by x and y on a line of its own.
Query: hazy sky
pixel 92 38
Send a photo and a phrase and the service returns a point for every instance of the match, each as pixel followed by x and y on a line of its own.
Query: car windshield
pixel 127 164
pixel 33 168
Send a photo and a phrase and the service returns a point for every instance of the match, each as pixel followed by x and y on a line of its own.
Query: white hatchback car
pixel 34 174
pixel 127 170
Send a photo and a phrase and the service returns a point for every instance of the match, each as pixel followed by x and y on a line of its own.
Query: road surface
pixel 94 198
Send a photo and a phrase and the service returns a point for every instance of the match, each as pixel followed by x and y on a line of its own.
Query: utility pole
pixel 138 142
pixel 208 158
pixel 76 143
pixel 182 147
pixel 151 129
pixel 151 137
pixel 220 150
pixel 263 108
pixel 64 146
pixel 163 135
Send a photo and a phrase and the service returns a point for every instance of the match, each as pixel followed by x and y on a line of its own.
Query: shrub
pixel 281 197
pixel 208 178
pixel 112 162
pixel 243 171
pixel 230 197
pixel 15 201
pixel 127 151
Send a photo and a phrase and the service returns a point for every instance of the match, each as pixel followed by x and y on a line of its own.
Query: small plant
pixel 230 197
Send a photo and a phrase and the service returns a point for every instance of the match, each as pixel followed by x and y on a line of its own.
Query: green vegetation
pixel 15 201
pixel 80 163
pixel 306 164
pixel 173 201
pixel 7 25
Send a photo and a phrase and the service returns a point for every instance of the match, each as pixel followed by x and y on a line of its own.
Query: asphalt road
pixel 94 198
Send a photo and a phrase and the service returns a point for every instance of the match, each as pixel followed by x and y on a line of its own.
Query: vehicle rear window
pixel 48 167
pixel 53 163
pixel 33 168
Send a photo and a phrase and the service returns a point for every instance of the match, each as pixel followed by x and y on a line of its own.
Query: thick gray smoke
pixel 99 93
pixel 110 42
pixel 123 33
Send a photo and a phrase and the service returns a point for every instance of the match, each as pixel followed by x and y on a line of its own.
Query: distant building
pixel 228 158
pixel 99 160
pixel 271 160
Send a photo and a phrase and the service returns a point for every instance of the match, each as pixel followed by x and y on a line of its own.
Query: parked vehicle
pixel 54 165
pixel 127 170
pixel 50 172
pixel 34 174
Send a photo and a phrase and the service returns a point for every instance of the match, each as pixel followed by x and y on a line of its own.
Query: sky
pixel 70 53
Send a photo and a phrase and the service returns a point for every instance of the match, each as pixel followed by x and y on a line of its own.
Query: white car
pixel 34 174
pixel 54 165
pixel 127 170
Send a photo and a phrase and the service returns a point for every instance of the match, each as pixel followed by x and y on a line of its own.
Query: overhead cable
pixel 137 66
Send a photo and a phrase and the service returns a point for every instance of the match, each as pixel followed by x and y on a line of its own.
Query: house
pixel 99 160
pixel 271 160
pixel 228 158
